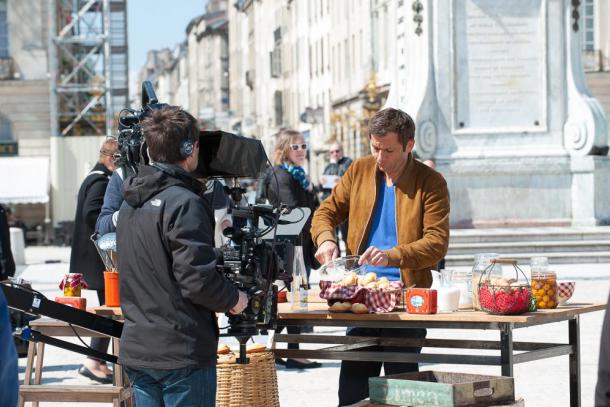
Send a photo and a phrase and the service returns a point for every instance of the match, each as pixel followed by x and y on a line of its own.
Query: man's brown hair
pixel 393 120
pixel 164 131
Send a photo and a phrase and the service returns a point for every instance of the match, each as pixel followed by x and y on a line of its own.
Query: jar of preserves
pixel 71 284
pixel 544 288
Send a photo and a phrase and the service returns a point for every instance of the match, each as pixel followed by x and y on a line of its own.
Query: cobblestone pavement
pixel 540 383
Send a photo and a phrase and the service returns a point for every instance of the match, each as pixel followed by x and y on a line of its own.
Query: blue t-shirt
pixel 383 232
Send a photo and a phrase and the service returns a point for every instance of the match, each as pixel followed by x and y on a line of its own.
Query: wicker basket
pixel 252 385
pixel 505 299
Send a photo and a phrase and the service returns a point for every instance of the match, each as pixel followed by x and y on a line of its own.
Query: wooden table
pixel 34 391
pixel 358 348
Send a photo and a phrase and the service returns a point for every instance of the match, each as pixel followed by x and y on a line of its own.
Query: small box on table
pixel 432 388
pixel 76 302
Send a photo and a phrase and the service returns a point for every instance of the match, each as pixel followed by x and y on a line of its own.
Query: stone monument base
pixel 528 191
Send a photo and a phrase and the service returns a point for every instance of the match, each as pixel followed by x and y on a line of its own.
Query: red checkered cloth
pixel 565 289
pixel 376 299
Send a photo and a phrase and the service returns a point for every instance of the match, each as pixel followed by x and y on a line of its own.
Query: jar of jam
pixel 544 288
pixel 72 284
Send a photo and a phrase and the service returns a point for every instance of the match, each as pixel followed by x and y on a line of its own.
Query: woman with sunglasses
pixel 294 189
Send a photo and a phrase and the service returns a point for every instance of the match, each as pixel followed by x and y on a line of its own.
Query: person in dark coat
pixel 335 169
pixel 294 189
pixel 84 257
pixel 169 286
pixel 602 390
pixel 7 263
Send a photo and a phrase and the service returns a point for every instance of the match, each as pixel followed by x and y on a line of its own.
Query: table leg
pixel 39 360
pixel 506 349
pixel 117 369
pixel 29 364
pixel 574 336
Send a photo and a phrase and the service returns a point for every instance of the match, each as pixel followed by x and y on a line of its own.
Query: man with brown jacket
pixel 398 212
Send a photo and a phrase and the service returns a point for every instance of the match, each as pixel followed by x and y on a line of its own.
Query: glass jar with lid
pixel 544 288
pixel 463 280
pixel 481 262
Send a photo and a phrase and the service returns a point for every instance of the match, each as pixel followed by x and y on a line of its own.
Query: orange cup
pixel 111 285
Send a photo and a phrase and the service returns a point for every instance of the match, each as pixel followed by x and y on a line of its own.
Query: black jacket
pixel 7 264
pixel 84 257
pixel 169 285
pixel 293 195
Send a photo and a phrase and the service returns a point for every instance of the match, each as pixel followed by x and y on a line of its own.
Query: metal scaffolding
pixel 88 65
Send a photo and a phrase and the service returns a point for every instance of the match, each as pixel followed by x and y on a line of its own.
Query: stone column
pixel 498 95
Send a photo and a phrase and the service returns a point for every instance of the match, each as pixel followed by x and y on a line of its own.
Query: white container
pixel 448 295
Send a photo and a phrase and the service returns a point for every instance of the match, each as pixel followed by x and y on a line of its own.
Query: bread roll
pixel 223 349
pixel 256 348
pixel 358 308
pixel 360 280
pixel 383 280
pixel 340 307
pixel 350 279
pixel 372 285
pixel 369 278
pixel 226 359
pixel 384 285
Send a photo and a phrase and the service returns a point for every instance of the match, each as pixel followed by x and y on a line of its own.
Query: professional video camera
pixel 130 137
pixel 251 259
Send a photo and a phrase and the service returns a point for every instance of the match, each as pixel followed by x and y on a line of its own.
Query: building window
pixel 588 25
pixel 4 51
pixel 279 110
pixel 276 54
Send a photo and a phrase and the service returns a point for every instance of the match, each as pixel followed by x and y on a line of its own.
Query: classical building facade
pixel 320 67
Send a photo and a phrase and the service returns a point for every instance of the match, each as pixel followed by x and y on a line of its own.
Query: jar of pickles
pixel 544 288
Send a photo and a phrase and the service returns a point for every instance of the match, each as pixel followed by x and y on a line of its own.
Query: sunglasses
pixel 295 147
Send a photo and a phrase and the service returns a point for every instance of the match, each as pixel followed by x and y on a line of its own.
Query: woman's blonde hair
pixel 285 138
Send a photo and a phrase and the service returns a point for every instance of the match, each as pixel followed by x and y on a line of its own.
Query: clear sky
pixel 156 24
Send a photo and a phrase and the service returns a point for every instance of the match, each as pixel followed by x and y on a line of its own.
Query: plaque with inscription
pixel 499 72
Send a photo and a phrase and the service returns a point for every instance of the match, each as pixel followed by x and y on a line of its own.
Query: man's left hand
pixel 374 257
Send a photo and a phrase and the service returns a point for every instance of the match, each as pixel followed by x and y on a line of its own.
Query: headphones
pixel 187 146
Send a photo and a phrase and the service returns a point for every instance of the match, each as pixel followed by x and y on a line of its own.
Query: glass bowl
pixel 336 270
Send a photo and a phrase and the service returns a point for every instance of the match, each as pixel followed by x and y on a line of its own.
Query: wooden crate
pixel 442 389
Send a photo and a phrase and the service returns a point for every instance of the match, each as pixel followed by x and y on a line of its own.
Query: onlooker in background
pixel 332 173
pixel 169 285
pixel 7 263
pixel 398 210
pixel 9 379
pixel 602 390
pixel 15 222
pixel 84 257
pixel 293 189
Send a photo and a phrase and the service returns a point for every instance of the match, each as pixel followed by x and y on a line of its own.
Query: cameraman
pixel 169 285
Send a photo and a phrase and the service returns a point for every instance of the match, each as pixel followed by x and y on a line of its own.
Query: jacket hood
pixel 151 180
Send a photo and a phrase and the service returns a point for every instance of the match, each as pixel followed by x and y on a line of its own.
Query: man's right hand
pixel 241 305
pixel 327 251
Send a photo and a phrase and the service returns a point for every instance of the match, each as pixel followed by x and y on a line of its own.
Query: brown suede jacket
pixel 422 213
